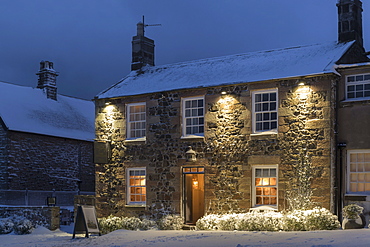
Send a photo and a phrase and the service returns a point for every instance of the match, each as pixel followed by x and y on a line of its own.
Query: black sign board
pixel 86 221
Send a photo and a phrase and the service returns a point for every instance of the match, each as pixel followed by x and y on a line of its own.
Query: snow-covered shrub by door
pixel 23 226
pixel 297 220
pixel 148 224
pixel 6 226
pixel 171 222
pixel 208 222
pixel 321 219
pixel 352 211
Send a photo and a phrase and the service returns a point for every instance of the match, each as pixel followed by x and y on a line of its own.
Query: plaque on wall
pixel 102 152
pixel 86 221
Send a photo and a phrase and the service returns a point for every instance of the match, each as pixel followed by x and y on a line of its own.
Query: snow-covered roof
pixel 241 68
pixel 28 109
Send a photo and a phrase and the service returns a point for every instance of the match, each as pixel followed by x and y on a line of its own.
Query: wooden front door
pixel 193 193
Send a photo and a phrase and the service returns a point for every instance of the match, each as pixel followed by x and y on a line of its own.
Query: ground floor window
pixel 358 179
pixel 136 186
pixel 265 186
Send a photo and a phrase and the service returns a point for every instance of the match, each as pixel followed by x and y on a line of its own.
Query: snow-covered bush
pixel 321 219
pixel 148 224
pixel 6 226
pixel 171 222
pixel 208 222
pixel 131 223
pixel 352 211
pixel 297 220
pixel 110 224
pixel 23 226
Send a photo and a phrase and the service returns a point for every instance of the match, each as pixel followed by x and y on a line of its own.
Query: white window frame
pixel 254 193
pixel 128 122
pixel 185 118
pixel 254 116
pixel 364 166
pixel 358 80
pixel 129 186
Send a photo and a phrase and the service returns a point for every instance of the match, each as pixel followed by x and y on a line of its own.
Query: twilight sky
pixel 89 41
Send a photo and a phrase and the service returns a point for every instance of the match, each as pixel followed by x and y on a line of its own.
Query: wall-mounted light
pixel 108 103
pixel 301 83
pixel 223 93
pixel 191 155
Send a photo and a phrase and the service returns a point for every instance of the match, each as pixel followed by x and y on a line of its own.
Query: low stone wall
pixel 44 216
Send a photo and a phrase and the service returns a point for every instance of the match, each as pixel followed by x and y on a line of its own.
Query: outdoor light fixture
pixel 191 155
pixel 107 103
pixel 223 92
pixel 301 83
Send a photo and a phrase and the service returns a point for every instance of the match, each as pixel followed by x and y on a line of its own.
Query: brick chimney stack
pixel 47 79
pixel 350 21
pixel 142 49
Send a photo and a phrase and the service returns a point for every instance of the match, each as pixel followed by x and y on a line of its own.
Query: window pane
pixel 258 97
pixel 359 78
pixel 367 77
pixel 350 79
pixel 272 96
pixel 265 97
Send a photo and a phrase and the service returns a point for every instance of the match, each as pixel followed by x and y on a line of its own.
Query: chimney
pixel 350 21
pixel 142 49
pixel 47 79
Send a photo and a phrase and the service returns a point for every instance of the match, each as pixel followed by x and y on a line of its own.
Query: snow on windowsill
pixel 141 139
pixel 192 137
pixel 264 133
pixel 135 206
pixel 355 100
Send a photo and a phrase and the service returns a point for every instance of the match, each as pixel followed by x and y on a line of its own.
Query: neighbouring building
pixel 244 132
pixel 46 143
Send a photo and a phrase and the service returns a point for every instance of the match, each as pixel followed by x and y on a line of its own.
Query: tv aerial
pixel 148 25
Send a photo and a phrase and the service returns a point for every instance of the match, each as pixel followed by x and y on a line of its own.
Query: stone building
pixel 46 143
pixel 245 132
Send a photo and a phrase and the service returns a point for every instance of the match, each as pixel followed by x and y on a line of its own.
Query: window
pixel 265 186
pixel 265 111
pixel 358 171
pixel 358 86
pixel 136 186
pixel 136 121
pixel 193 116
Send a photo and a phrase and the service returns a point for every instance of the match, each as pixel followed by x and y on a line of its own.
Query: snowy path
pixel 42 237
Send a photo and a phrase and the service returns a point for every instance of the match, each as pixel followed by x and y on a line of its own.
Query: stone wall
pixel 228 151
pixel 45 164
pixel 3 156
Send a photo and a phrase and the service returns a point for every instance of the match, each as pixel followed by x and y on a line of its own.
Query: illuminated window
pixel 136 121
pixel 136 186
pixel 265 111
pixel 358 171
pixel 358 86
pixel 265 186
pixel 193 116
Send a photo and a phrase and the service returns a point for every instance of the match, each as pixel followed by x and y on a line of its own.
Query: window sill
pixel 137 140
pixel 354 100
pixel 135 206
pixel 264 135
pixel 356 197
pixel 192 137
pixel 263 208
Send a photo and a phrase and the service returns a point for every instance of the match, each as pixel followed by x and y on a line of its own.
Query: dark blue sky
pixel 89 41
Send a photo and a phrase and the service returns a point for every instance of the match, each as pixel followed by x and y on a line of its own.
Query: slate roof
pixel 240 68
pixel 28 109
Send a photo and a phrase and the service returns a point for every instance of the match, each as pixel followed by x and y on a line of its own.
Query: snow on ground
pixel 42 237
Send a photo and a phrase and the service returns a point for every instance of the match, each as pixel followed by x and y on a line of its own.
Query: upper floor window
pixel 265 111
pixel 193 116
pixel 265 186
pixel 358 179
pixel 136 186
pixel 136 121
pixel 358 86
